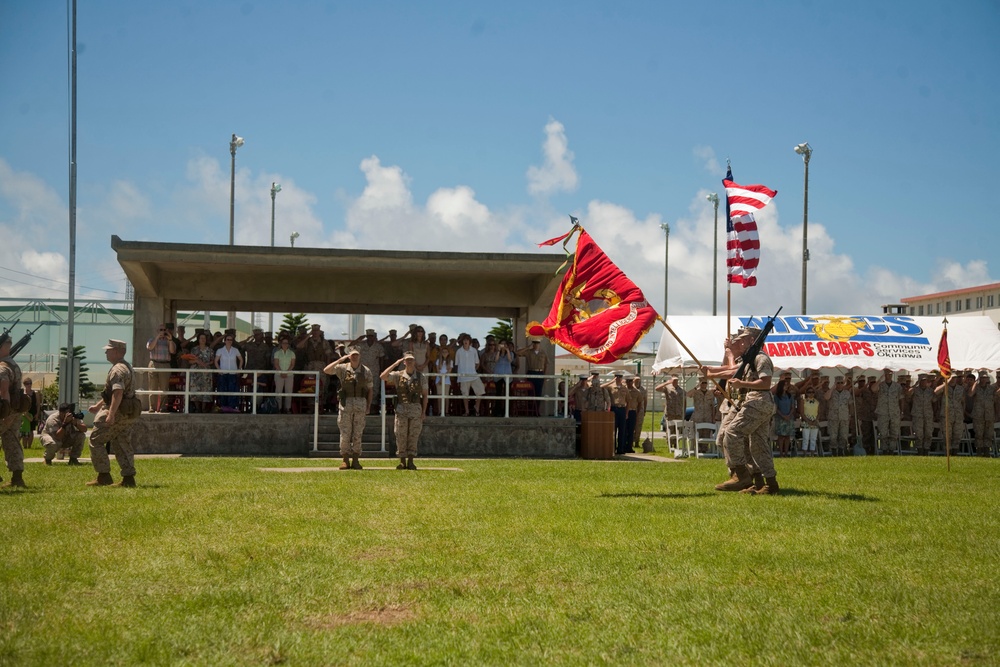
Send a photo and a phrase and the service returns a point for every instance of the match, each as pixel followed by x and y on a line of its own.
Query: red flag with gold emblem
pixel 598 313
pixel 944 358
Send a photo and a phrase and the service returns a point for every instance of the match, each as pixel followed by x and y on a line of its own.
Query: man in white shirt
pixel 467 367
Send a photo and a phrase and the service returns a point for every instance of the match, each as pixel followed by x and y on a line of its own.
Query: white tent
pixel 840 341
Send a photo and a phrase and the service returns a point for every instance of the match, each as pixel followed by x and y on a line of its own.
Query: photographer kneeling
pixel 64 429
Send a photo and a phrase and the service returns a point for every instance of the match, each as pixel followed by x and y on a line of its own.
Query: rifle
pixel 8 332
pixel 751 353
pixel 25 339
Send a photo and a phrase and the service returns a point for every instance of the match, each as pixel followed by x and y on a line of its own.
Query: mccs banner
pixel 870 342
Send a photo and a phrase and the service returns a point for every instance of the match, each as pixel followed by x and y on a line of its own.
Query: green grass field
pixel 867 561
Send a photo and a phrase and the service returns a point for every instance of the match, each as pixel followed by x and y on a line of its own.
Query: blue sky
pixel 476 126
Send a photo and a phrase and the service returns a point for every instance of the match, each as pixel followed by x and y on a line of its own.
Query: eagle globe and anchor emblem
pixel 583 309
pixel 837 328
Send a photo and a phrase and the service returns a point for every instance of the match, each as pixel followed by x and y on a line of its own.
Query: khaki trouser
pixel 982 424
pixel 838 432
pixel 751 423
pixel 923 429
pixel 10 436
pixel 351 421
pixel 408 426
pixel 119 434
pixel 888 430
pixel 73 440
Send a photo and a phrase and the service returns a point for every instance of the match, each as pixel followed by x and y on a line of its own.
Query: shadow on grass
pixel 853 497
pixel 638 494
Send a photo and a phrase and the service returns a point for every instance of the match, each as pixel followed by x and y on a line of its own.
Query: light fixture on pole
pixel 292 238
pixel 666 264
pixel 714 198
pixel 806 151
pixel 275 189
pixel 234 143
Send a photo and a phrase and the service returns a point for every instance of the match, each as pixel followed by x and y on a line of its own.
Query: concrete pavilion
pixel 168 277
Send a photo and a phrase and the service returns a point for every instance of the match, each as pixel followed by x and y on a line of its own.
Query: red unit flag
pixel 944 360
pixel 598 313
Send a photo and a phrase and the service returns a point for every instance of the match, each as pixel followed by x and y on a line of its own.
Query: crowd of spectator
pixel 484 369
pixel 868 411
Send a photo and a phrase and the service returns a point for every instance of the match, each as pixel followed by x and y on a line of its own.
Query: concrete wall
pixel 291 435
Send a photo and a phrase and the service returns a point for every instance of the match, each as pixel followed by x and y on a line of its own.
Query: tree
pixel 85 386
pixel 291 323
pixel 503 330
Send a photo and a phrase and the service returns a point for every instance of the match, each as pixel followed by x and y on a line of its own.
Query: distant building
pixel 982 300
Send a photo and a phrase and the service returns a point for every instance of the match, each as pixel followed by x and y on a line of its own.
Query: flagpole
pixel 690 354
pixel 947 389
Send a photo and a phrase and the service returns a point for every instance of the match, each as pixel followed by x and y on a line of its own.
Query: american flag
pixel 742 242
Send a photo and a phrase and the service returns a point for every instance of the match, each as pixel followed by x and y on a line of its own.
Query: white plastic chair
pixel 705 438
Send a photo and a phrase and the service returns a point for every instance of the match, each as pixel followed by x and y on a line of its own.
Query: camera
pixel 78 415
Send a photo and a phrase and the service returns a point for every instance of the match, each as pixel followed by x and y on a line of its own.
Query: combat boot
pixel 103 479
pixel 128 481
pixel 770 487
pixel 409 464
pixel 346 465
pixel 402 464
pixel 48 461
pixel 355 464
pixel 73 462
pixel 758 484
pixel 739 481
pixel 15 480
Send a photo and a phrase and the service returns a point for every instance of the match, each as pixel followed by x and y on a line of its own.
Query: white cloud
pixel 385 216
pixel 709 162
pixel 557 173
pixel 204 205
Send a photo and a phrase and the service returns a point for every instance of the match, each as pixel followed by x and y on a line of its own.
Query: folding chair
pixel 676 440
pixel 907 440
pixel 705 433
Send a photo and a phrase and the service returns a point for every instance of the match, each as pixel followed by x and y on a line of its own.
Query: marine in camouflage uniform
pixel 982 414
pixel 411 406
pixel 922 414
pixel 10 424
pixel 598 398
pixel 112 425
pixel 865 407
pixel 838 416
pixel 953 422
pixel 703 398
pixel 356 394
pixel 751 422
pixel 62 430
pixel 888 402
pixel 673 399
pixel 317 352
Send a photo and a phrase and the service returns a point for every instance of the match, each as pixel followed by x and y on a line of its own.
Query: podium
pixel 597 435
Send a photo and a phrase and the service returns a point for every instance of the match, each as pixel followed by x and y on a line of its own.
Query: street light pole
pixel 714 198
pixel 292 237
pixel 275 189
pixel 234 143
pixel 806 151
pixel 666 264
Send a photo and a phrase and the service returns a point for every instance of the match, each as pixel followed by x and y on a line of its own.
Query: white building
pixel 982 300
